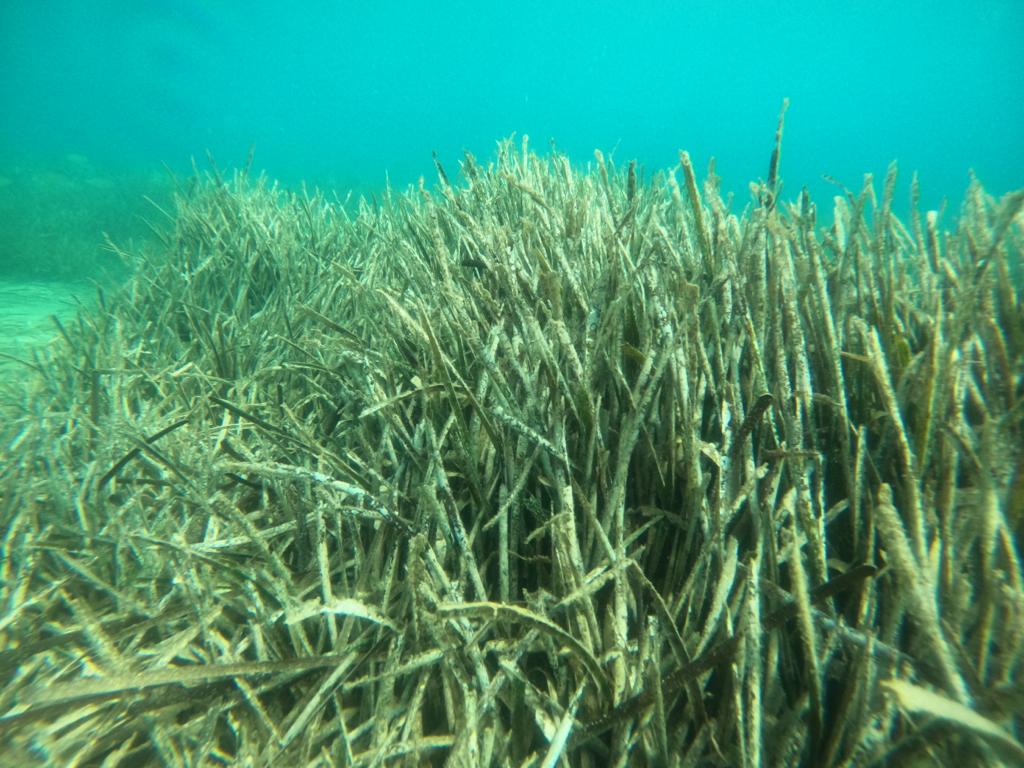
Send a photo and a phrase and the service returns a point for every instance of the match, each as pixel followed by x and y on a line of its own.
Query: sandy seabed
pixel 26 311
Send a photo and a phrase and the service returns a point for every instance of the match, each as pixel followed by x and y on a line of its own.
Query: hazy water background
pixel 350 94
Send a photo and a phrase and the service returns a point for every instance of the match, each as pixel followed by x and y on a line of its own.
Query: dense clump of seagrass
pixel 544 466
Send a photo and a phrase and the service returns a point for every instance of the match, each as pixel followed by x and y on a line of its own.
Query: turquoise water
pixel 353 93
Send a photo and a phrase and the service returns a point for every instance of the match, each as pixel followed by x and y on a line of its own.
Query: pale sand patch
pixel 26 310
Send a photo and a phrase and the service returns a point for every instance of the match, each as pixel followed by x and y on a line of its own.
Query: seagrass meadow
pixel 537 466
